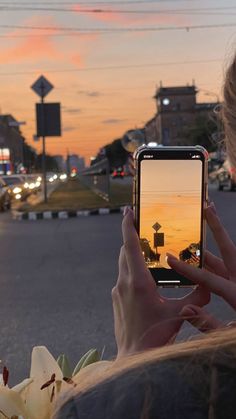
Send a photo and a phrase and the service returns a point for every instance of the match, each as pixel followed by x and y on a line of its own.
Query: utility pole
pixel 42 87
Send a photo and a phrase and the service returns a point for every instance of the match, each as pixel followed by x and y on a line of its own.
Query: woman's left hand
pixel 143 318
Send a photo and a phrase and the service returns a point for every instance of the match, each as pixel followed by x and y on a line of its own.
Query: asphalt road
pixel 55 283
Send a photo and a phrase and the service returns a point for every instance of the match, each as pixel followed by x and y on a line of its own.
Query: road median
pixel 73 199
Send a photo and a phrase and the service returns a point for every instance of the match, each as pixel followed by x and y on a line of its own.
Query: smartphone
pixel 170 194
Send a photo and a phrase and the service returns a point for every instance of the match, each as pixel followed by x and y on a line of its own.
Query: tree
pixel 29 157
pixel 51 163
pixel 116 154
pixel 201 133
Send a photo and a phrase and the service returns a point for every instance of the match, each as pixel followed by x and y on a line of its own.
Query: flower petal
pixel 43 366
pixel 11 404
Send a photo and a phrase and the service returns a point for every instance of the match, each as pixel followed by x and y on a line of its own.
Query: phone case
pixel 205 183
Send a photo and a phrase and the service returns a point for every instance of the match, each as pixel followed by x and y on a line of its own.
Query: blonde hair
pixel 206 348
pixel 229 111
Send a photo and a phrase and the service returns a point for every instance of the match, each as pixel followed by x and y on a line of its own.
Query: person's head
pixel 172 381
pixel 229 111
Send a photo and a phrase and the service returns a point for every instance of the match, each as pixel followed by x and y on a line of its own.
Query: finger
pixel 200 318
pixel 200 297
pixel 211 281
pixel 134 256
pixel 225 244
pixel 117 310
pixel 123 267
pixel 214 264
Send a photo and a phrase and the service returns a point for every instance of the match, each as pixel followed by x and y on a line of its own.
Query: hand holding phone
pixel 143 318
pixel 170 194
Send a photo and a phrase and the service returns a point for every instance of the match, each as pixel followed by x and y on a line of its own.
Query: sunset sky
pixel 105 81
pixel 171 195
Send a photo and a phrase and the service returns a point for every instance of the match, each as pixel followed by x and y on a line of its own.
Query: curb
pixel 63 215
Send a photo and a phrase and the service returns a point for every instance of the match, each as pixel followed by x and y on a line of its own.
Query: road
pixel 55 283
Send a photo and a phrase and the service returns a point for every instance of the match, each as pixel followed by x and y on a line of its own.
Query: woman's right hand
pixel 217 276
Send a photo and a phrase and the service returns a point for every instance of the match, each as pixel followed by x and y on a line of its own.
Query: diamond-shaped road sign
pixel 42 87
pixel 156 226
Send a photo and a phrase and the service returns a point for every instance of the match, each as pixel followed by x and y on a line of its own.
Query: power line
pixel 120 30
pixel 126 2
pixel 204 11
pixel 116 67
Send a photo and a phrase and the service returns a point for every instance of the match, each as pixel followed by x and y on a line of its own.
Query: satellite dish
pixel 132 140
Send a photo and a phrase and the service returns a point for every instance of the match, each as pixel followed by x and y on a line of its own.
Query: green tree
pixel 51 164
pixel 201 133
pixel 116 154
pixel 29 157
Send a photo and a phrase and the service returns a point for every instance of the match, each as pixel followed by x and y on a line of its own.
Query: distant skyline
pixel 106 81
pixel 171 196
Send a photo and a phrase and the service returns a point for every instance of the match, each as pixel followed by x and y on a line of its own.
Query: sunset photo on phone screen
pixel 170 211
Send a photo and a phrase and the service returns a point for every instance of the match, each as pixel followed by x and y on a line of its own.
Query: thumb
pixel 199 318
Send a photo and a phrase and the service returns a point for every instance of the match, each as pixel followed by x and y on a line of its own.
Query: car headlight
pixel 31 185
pixel 26 185
pixel 51 179
pixel 17 190
pixel 54 177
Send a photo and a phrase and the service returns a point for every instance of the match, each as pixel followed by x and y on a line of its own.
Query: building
pixel 177 110
pixel 11 139
pixel 61 164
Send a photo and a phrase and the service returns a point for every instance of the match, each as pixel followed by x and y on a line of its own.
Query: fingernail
pixel 188 311
pixel 126 210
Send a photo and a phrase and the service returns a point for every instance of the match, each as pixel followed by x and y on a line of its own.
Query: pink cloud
pixel 30 48
pixel 112 16
pixel 36 46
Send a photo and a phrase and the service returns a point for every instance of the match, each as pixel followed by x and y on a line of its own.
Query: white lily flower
pixel 34 397
pixel 11 404
pixel 44 371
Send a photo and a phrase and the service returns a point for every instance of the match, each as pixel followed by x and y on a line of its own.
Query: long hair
pixel 229 111
pixel 200 351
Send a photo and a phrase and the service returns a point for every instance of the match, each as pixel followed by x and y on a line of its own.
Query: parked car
pixel 5 196
pixel 226 177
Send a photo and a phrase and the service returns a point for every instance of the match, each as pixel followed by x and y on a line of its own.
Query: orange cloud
pixel 39 45
pixel 113 16
pixel 34 46
pixel 30 48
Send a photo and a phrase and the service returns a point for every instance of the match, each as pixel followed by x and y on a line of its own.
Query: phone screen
pixel 170 219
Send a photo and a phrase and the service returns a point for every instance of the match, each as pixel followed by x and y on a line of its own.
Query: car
pixel 32 183
pixel 118 173
pixel 226 177
pixel 5 196
pixel 16 189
